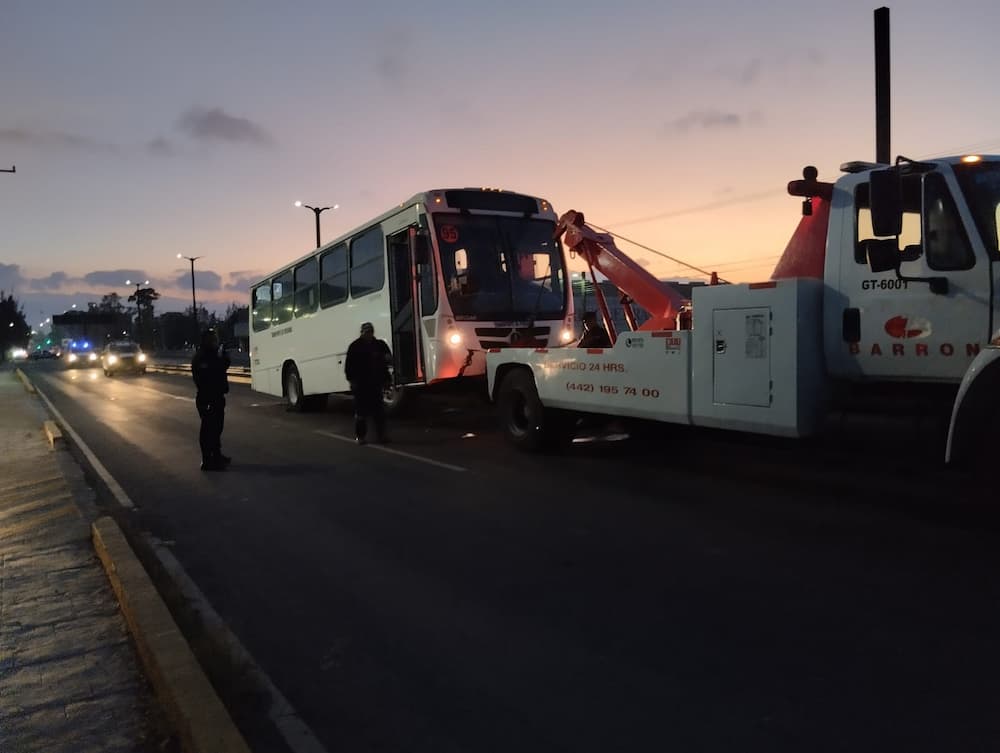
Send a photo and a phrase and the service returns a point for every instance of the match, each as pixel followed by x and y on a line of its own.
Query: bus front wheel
pixel 395 399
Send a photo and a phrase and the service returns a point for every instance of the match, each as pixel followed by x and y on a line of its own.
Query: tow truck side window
pixel 945 241
pixel 909 239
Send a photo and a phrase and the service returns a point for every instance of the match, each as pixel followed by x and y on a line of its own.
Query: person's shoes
pixel 213 465
pixel 225 459
pixel 360 440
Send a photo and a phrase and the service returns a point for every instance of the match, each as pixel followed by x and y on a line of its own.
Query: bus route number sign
pixel 449 234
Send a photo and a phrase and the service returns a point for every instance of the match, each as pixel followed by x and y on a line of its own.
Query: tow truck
pixel 887 290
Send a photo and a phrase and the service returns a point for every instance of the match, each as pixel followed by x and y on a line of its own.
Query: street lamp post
pixel 317 211
pixel 194 304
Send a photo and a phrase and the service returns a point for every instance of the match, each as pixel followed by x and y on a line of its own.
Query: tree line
pixel 166 331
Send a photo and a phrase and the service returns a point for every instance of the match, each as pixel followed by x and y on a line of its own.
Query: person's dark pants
pixel 368 404
pixel 213 416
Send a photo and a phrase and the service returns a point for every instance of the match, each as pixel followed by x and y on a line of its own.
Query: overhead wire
pixel 674 259
pixel 744 199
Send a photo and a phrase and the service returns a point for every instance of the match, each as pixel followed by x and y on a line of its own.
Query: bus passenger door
pixel 403 303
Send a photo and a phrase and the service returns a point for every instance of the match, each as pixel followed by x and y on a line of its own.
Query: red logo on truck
pixel 907 327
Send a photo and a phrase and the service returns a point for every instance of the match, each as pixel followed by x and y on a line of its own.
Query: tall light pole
pixel 194 304
pixel 317 211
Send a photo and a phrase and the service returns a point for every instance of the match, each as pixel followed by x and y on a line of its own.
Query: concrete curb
pixel 189 700
pixel 25 381
pixel 52 432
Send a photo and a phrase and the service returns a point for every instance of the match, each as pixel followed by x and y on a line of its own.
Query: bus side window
pixel 306 284
pixel 282 297
pixel 261 307
pixel 367 263
pixel 333 276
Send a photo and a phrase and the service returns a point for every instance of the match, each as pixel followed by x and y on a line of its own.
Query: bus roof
pixel 485 200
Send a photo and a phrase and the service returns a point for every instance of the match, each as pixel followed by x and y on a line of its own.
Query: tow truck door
pixel 882 327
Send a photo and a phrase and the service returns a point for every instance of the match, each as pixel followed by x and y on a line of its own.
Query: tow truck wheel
pixel 521 412
pixel 525 422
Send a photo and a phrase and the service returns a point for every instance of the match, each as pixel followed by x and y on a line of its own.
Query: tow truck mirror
pixel 421 248
pixel 886 203
pixel 883 255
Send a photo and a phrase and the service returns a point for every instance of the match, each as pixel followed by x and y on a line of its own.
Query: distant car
pixel 121 357
pixel 80 355
pixel 18 354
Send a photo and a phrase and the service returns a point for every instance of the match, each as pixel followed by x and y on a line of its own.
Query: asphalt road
pixel 701 592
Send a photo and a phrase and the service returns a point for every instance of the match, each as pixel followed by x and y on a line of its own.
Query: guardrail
pixel 237 373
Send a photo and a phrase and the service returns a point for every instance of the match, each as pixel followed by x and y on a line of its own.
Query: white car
pixel 123 356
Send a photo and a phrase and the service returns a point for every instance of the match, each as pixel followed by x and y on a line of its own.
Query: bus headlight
pixel 454 338
pixel 566 335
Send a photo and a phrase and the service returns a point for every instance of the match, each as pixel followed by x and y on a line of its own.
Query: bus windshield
pixel 980 183
pixel 501 268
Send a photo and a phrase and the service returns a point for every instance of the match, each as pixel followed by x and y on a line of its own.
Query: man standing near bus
pixel 367 370
pixel 208 368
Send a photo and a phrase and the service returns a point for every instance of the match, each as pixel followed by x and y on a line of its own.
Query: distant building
pixel 95 327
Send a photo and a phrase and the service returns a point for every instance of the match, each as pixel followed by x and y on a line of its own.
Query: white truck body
pixel 911 310
pixel 753 361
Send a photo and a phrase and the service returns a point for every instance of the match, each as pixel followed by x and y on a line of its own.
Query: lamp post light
pixel 194 304
pixel 317 211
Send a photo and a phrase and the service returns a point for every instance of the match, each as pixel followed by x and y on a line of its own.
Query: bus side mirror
pixel 421 248
pixel 886 203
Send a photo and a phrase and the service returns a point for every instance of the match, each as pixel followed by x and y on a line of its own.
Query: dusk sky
pixel 141 130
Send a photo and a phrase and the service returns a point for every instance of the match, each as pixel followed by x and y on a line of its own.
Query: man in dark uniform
pixel 208 367
pixel 594 335
pixel 367 370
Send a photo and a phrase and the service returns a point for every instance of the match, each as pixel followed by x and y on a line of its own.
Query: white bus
pixel 444 276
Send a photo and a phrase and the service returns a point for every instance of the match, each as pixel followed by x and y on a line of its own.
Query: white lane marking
pixel 99 469
pixel 391 451
pixel 166 394
pixel 297 734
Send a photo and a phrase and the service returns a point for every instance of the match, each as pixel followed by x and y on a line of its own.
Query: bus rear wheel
pixel 293 390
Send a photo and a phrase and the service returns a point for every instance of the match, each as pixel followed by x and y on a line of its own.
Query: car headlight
pixel 112 360
pixel 72 357
pixel 142 358
pixel 93 357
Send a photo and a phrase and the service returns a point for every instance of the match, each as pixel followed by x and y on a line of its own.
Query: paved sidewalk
pixel 69 677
